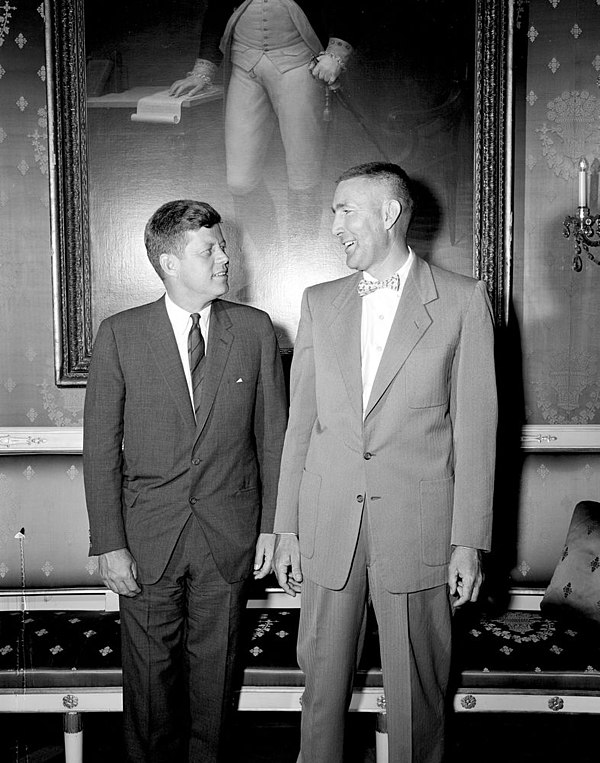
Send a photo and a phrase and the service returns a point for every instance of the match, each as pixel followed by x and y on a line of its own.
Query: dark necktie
pixel 196 357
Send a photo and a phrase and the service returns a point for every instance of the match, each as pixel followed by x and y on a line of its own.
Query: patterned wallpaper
pixel 28 395
pixel 43 496
pixel 550 486
pixel 558 309
pixel 558 122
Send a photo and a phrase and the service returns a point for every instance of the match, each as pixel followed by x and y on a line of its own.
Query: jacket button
pixel 193 501
pixel 360 498
pixel 367 455
pixel 195 461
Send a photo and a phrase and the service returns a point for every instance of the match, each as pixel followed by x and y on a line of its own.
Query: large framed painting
pixel 427 86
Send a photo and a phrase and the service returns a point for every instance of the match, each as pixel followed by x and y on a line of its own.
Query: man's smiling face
pixel 203 266
pixel 358 223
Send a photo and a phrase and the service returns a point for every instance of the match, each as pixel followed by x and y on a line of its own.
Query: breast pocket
pixel 428 377
pixel 239 389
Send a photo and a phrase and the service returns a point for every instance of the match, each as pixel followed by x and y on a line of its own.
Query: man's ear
pixel 169 264
pixel 392 209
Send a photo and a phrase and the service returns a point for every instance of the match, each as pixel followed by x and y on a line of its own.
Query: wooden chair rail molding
pixel 42 440
pixel 534 438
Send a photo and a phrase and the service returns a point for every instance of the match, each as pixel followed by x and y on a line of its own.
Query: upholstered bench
pixel 524 661
pixel 542 654
pixel 68 661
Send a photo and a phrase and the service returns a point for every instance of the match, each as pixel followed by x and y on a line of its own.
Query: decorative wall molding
pixel 534 438
pixel 40 440
pixel 563 438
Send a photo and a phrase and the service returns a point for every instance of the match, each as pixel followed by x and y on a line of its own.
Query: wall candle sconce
pixel 584 227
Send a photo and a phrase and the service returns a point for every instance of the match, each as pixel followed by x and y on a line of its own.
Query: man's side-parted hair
pixel 396 178
pixel 165 230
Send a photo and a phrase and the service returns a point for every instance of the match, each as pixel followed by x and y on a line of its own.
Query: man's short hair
pixel 393 175
pixel 165 230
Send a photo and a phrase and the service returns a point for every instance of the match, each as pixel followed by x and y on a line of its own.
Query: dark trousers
pixel 180 640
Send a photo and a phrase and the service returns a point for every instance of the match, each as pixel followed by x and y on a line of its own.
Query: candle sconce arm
pixel 585 229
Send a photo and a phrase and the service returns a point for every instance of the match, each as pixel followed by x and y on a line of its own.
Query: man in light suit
pixel 185 414
pixel 387 469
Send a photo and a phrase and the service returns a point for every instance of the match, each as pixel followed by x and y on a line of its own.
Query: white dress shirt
pixel 181 321
pixel 378 312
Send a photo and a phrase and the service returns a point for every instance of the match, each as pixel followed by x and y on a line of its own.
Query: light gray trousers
pixel 414 633
pixel 256 102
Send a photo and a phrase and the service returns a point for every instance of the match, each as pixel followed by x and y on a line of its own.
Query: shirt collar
pixel 402 272
pixel 180 318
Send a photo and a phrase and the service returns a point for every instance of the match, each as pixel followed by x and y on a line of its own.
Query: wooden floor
pixel 273 738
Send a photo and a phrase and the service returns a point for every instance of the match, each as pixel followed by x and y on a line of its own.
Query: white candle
pixel 583 165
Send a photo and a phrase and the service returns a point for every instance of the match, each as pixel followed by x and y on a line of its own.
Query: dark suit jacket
pixel 148 465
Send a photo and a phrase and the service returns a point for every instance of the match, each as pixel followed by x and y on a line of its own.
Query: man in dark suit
pixel 185 415
pixel 387 469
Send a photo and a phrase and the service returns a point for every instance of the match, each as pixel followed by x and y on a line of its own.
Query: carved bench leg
pixel 381 738
pixel 73 734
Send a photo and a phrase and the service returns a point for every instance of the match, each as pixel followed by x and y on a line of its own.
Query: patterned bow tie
pixel 368 287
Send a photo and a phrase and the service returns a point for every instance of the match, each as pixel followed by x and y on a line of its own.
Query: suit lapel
pixel 164 348
pixel 410 323
pixel 345 332
pixel 220 339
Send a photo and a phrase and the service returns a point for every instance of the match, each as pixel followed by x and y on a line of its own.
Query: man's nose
pixel 336 227
pixel 222 256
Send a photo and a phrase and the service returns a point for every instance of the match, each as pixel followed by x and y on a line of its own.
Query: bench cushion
pixel 575 586
pixel 516 649
pixel 82 649
pixel 525 650
pixel 66 649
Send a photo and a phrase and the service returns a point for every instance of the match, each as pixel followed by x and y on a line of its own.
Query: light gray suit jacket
pixel 423 457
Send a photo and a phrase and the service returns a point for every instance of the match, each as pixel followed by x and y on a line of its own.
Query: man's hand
pixel 464 575
pixel 196 81
pixel 119 571
pixel 326 67
pixel 287 563
pixel 263 558
pixel 189 86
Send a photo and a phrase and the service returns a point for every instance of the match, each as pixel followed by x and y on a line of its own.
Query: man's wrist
pixel 454 546
pixel 340 50
pixel 204 71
